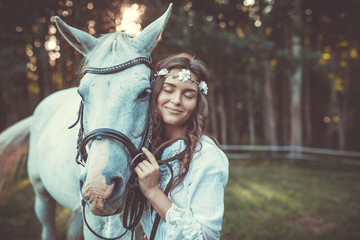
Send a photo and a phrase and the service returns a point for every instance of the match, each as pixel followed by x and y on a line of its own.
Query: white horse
pixel 119 101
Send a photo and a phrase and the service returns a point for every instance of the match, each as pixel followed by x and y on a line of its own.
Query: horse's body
pixel 116 101
pixel 51 167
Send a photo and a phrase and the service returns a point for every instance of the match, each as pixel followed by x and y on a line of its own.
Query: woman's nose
pixel 176 98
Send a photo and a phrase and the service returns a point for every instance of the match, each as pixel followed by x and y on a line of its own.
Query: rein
pixel 135 198
pixel 134 201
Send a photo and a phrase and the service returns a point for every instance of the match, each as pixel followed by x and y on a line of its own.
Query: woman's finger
pixel 139 172
pixel 146 167
pixel 150 156
pixel 146 163
pixel 141 166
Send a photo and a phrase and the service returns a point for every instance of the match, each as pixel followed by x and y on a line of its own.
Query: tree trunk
pixel 45 81
pixel 24 99
pixel 345 103
pixel 251 118
pixel 307 109
pixel 269 118
pixel 212 107
pixel 222 114
pixel 285 98
pixel 44 73
pixel 234 134
pixel 295 109
pixel 11 107
pixel 295 82
pixel 332 111
pixel 62 61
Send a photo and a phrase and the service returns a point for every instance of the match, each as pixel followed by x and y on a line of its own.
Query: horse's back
pixel 53 147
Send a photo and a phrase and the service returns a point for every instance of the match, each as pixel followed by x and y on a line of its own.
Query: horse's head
pixel 117 101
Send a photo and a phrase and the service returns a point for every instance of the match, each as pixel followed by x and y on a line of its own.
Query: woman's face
pixel 177 100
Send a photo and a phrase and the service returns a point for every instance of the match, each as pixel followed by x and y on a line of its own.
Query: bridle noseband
pixel 134 201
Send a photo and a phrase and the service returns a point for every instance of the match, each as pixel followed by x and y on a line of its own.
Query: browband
pixel 119 67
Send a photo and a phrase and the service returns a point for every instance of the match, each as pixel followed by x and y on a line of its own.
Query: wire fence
pixel 291 152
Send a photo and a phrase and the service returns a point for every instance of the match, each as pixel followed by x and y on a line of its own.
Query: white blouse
pixel 198 203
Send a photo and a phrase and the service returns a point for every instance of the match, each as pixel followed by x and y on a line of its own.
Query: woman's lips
pixel 173 110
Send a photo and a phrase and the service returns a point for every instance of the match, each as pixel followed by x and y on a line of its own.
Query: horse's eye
pixel 144 95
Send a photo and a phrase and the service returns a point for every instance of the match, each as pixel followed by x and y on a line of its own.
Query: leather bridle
pixel 134 201
pixel 108 132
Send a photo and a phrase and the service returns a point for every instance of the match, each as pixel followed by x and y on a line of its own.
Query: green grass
pixel 263 200
pixel 281 200
pixel 17 215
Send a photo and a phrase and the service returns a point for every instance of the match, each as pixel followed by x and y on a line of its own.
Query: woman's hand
pixel 148 174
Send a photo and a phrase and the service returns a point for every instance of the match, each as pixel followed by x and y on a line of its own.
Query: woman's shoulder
pixel 207 143
pixel 209 140
pixel 208 151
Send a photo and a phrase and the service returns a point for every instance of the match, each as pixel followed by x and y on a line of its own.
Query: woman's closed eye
pixel 189 95
pixel 168 89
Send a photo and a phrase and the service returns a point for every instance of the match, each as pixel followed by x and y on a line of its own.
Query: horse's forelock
pixel 113 49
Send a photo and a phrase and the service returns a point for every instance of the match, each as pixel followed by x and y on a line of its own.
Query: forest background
pixel 285 72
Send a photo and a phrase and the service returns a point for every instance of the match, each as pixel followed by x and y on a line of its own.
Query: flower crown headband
pixel 184 76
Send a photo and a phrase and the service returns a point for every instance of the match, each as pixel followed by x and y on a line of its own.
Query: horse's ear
pixel 147 39
pixel 80 40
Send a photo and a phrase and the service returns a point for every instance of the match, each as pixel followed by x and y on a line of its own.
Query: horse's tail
pixel 14 148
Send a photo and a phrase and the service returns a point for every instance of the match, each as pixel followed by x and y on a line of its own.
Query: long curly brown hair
pixel 196 126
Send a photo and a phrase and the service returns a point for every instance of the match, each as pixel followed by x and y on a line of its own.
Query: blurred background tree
pixel 284 71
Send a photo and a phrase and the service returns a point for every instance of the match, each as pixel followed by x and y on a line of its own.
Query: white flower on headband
pixel 203 87
pixel 163 72
pixel 184 75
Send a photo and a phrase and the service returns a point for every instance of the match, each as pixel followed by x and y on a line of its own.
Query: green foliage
pixel 222 33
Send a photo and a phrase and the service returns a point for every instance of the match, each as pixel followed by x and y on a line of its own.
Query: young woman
pixel 194 208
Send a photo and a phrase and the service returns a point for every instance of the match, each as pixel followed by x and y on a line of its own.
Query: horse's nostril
pixel 118 184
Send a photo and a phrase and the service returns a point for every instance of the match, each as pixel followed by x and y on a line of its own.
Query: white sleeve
pixel 208 175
